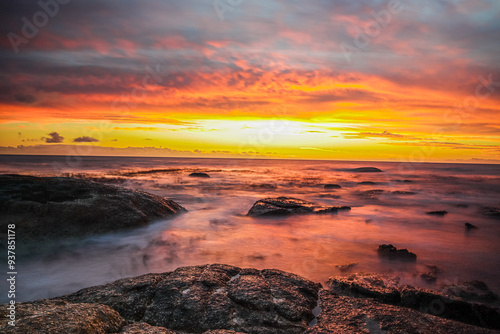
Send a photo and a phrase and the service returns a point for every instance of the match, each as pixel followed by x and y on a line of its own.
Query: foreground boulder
pixel 57 207
pixel 202 298
pixel 283 206
pixel 57 316
pixel 387 289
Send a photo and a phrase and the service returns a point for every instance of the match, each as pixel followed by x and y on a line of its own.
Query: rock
pixel 367 183
pixel 403 181
pixel 431 275
pixel 437 213
pixel 144 328
pixel 370 194
pixel 201 298
pixel 490 211
pixel 399 192
pixel 198 174
pixel 330 196
pixel 346 267
pixel 472 291
pixel 283 206
pixel 341 314
pixel 392 253
pixel 387 289
pixel 48 208
pixel 57 316
pixel 264 186
pixel 365 170
pixel 461 205
pixel 469 226
pixel 332 186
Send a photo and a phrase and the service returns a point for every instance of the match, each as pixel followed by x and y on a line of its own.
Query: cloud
pixel 385 135
pixel 85 139
pixel 54 138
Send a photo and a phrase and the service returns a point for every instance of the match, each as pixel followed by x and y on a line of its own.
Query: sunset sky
pixel 323 79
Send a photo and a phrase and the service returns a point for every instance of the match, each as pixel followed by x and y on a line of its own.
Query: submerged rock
pixel 469 226
pixel 198 174
pixel 431 275
pixel 490 211
pixel 387 289
pixel 283 206
pixel 365 170
pixel 400 192
pixel 332 186
pixel 370 194
pixel 57 207
pixel 392 253
pixel 367 183
pixel 201 298
pixel 437 213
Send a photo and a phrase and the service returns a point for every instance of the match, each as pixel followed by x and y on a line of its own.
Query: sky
pixel 395 80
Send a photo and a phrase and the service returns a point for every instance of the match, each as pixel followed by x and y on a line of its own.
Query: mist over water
pixel 216 229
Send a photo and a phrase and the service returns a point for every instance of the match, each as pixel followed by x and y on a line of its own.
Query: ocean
pixel 387 207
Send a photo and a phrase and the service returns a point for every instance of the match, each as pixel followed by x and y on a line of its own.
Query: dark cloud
pixel 54 138
pixel 85 139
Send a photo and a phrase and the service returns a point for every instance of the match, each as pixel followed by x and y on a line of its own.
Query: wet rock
pixel 490 211
pixel 202 298
pixel 365 170
pixel 469 226
pixel 392 253
pixel 437 213
pixel 367 183
pixel 387 289
pixel 57 316
pixel 284 206
pixel 48 208
pixel 399 192
pixel 198 174
pixel 332 186
pixel 346 267
pixel 404 181
pixel 431 275
pixel 472 291
pixel 330 196
pixel 370 194
pixel 341 314
pixel 264 186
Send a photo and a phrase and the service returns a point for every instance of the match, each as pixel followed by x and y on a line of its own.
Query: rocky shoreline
pixel 51 208
pixel 220 299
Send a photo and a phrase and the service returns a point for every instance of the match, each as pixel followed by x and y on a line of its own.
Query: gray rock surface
pixel 57 316
pixel 342 314
pixel 387 289
pixel 57 207
pixel 283 206
pixel 202 298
